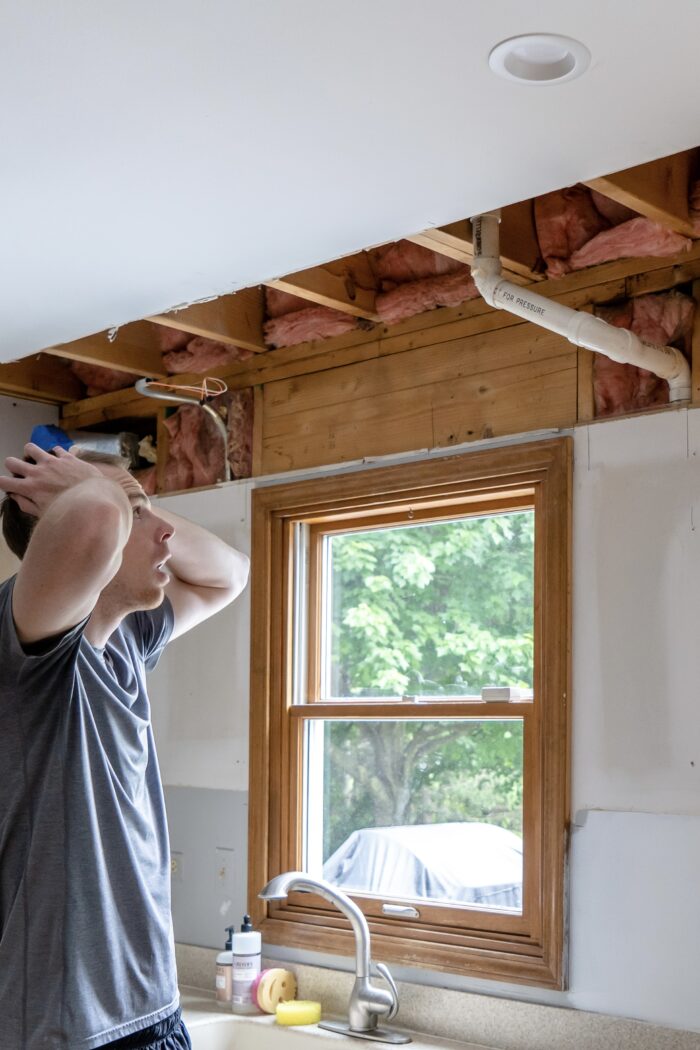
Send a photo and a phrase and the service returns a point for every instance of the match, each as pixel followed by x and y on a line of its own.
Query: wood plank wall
pixel 516 379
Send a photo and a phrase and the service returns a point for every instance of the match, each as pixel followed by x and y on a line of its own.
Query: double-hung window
pixel 409 708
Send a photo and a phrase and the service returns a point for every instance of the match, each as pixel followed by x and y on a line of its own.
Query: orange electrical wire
pixel 210 387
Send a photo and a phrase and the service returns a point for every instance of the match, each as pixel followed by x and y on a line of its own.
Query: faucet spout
pixel 282 885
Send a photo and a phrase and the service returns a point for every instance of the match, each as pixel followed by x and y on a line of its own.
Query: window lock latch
pixel 400 911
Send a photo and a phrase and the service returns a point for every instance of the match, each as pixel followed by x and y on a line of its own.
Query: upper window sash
pixel 313 584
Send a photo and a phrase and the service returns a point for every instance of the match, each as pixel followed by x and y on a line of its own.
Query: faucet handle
pixel 384 972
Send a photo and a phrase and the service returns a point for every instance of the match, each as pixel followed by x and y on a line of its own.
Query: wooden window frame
pixel 528 948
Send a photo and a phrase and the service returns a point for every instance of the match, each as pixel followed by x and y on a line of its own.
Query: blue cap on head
pixel 48 436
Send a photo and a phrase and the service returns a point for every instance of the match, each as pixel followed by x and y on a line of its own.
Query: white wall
pixel 17 418
pixel 637 614
pixel 635 911
pixel 635 908
pixel 199 692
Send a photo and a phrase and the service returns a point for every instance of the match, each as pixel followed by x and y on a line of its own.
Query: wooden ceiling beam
pixel 598 284
pixel 40 378
pixel 235 320
pixel 520 251
pixel 134 348
pixel 335 285
pixel 658 190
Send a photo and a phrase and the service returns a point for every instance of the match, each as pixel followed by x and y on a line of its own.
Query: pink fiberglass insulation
pixel 196 453
pixel 415 279
pixel 404 261
pixel 171 338
pixel 636 238
pixel 301 326
pixel 239 423
pixel 201 355
pixel 577 227
pixel 565 220
pixel 292 320
pixel 665 320
pixel 414 297
pixel 99 380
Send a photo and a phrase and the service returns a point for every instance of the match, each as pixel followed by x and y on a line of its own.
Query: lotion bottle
pixel 224 970
pixel 246 948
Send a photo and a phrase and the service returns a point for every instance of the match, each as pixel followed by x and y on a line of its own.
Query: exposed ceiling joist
pixel 335 285
pixel 134 348
pixel 520 251
pixel 40 378
pixel 598 284
pixel 236 319
pixel 454 240
pixel 658 190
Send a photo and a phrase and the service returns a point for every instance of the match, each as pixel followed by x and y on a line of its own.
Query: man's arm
pixel 84 521
pixel 206 574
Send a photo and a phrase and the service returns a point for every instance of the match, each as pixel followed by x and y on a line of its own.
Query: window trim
pixel 530 950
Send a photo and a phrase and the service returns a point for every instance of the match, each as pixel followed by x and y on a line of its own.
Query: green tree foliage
pixel 435 609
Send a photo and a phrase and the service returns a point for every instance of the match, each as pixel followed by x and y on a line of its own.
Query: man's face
pixel 141 580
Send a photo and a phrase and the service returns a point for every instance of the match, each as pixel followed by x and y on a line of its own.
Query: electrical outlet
pixel 176 866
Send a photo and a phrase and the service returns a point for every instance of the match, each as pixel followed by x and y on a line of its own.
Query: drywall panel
pixel 636 609
pixel 208 845
pixel 199 692
pixel 635 917
pixel 17 418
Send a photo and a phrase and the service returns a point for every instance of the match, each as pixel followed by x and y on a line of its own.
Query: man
pixel 86 946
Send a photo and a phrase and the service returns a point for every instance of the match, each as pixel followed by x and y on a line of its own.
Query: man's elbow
pixel 240 571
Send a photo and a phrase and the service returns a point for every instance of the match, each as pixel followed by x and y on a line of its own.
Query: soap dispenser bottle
pixel 224 970
pixel 246 947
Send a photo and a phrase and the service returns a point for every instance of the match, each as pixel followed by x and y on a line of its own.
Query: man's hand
pixel 36 485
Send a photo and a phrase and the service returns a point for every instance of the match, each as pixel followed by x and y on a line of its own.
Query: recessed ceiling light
pixel 540 58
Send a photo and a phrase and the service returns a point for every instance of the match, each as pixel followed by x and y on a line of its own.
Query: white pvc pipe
pixel 581 329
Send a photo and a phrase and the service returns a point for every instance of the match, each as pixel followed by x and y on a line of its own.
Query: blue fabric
pixel 47 437
pixel 169 1034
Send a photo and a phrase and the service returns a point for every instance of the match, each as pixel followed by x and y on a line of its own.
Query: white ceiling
pixel 155 153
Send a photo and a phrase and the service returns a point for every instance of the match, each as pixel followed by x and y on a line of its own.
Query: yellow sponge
pixel 301 1011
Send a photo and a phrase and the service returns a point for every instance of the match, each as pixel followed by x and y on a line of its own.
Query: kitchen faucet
pixel 367 1003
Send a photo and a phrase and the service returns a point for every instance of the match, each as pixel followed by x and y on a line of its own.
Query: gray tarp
pixel 463 862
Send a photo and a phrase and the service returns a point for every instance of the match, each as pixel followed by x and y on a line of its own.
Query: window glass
pixel 431 609
pixel 417 808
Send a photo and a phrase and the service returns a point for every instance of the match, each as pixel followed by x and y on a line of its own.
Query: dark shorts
pixel 168 1034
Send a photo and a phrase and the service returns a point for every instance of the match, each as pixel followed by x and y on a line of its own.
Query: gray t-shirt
pixel 86 945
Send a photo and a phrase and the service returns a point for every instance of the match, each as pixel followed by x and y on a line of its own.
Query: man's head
pixel 140 580
pixel 18 525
